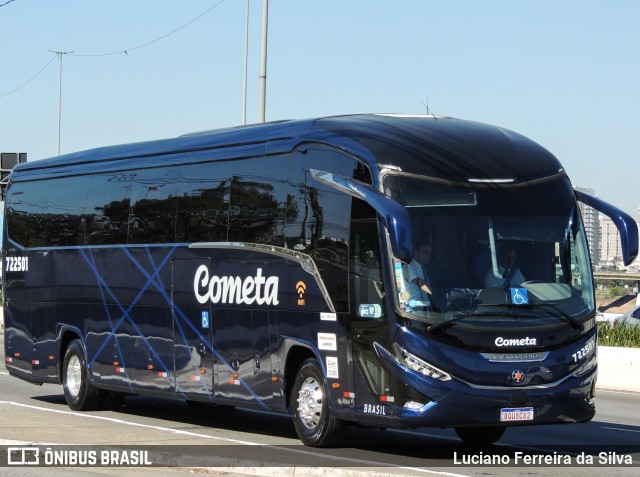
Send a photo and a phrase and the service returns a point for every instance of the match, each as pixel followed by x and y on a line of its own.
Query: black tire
pixel 78 391
pixel 312 418
pixel 111 401
pixel 480 436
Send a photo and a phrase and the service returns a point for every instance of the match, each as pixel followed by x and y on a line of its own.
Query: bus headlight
pixel 586 367
pixel 419 365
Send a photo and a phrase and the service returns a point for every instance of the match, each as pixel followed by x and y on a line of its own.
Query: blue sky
pixel 566 74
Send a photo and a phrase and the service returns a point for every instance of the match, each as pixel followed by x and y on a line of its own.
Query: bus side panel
pixel 45 357
pixel 235 367
pixel 245 367
pixel 192 351
pixel 153 350
pixel 110 345
pixel 191 332
pixel 246 363
pixel 90 320
pixel 18 340
pixel 263 339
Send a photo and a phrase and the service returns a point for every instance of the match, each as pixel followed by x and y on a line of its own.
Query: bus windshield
pixel 493 254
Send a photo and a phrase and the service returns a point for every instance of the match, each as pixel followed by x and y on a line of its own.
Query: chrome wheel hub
pixel 310 399
pixel 74 376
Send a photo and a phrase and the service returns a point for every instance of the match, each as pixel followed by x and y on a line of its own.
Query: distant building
pixel 590 217
pixel 610 249
pixel 609 241
pixel 602 234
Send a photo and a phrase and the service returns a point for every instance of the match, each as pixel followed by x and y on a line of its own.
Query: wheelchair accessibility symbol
pixel 519 296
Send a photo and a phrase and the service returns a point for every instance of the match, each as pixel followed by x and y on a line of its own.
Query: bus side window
pixel 365 267
pixel 154 203
pixel 259 200
pixel 65 212
pixel 202 193
pixel 318 216
pixel 108 208
pixel 26 208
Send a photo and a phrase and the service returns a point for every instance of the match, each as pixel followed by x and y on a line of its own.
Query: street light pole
pixel 60 53
pixel 246 62
pixel 263 62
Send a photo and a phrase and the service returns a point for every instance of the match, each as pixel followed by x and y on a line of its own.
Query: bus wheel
pixel 479 436
pixel 78 392
pixel 311 416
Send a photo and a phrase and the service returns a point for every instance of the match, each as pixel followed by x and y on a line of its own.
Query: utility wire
pixel 126 51
pixel 30 79
pixel 115 52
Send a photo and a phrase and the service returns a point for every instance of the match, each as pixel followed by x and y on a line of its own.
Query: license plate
pixel 511 414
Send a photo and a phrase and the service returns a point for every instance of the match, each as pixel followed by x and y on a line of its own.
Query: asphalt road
pixel 223 441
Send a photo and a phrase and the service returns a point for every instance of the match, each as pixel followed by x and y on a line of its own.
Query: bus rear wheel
pixel 311 415
pixel 78 391
pixel 479 436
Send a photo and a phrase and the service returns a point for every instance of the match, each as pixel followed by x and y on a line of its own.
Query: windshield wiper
pixel 562 314
pixel 462 315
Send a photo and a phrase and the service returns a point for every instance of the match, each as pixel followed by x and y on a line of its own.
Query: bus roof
pixel 440 147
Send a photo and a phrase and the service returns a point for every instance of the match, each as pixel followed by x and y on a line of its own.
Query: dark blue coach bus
pixel 273 267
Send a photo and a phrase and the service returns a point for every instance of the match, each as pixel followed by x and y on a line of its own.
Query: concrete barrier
pixel 618 368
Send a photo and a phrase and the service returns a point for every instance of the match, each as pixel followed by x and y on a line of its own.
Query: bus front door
pixel 192 332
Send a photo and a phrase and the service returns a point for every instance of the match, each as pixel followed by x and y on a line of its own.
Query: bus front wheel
pixel 311 416
pixel 78 391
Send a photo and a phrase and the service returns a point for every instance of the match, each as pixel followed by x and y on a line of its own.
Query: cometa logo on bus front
pixel 234 290
pixel 500 341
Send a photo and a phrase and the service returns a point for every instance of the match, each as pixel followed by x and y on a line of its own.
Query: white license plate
pixel 511 414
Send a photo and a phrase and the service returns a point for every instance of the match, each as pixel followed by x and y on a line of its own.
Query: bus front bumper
pixel 455 403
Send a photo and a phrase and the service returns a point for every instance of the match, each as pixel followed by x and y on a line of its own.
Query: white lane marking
pixel 369 463
pixel 611 391
pixel 134 424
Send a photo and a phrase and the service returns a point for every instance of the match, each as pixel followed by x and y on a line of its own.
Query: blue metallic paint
pixel 130 278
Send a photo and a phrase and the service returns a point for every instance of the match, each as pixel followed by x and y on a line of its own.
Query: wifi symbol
pixel 301 287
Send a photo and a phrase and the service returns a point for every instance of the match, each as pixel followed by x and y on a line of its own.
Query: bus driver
pixel 419 288
pixel 510 275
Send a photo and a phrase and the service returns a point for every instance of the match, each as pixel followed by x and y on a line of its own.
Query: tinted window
pixel 259 200
pixel 26 213
pixel 107 213
pixel 202 192
pixel 318 216
pixel 67 202
pixel 154 206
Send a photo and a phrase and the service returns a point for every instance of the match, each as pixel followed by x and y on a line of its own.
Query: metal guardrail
pixel 627 277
